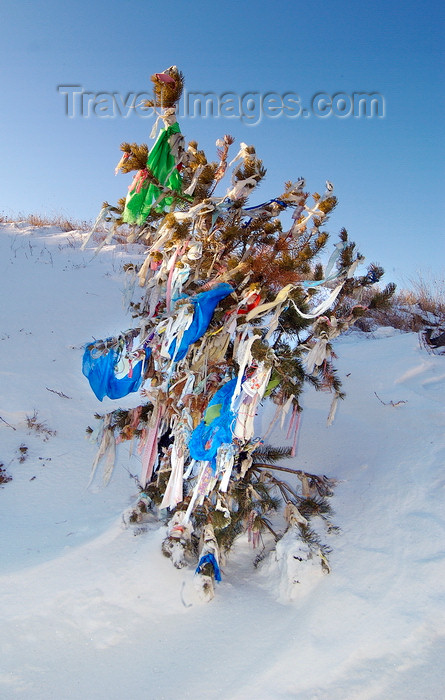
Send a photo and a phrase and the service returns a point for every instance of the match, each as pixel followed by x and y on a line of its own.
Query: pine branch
pixel 271 453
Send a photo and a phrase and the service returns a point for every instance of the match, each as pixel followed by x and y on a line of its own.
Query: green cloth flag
pixel 212 412
pixel 161 164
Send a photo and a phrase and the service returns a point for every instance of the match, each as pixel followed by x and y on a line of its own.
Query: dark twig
pixel 8 424
pixel 259 465
pixel 59 393
pixel 389 403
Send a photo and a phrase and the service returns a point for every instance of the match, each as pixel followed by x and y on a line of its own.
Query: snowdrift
pixel 91 608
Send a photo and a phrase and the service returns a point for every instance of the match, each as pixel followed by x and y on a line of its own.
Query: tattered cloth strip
pixel 106 451
pixel 264 308
pixel 172 330
pixel 201 488
pixel 323 306
pixel 225 460
pixel 317 355
pixel 246 405
pixel 294 425
pixel 149 454
pixel 181 430
pixel 281 411
pixel 161 163
pixel 333 410
pixel 179 252
pixel 101 218
pixel 253 532
pixel 261 209
pixel 293 515
pixel 285 409
pixel 281 299
pixel 213 351
pixel 283 294
pixel 125 156
pixel 329 275
pixel 209 553
pixel 191 188
pixel 320 351
pixel 153 259
pixel 173 493
pixel 243 356
pixel 243 154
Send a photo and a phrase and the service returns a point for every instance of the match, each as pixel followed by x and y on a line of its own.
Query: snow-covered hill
pixel 91 609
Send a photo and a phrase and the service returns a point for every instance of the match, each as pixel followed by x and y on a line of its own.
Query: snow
pixel 92 609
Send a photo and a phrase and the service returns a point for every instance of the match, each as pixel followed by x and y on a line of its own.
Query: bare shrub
pixel 409 310
pixel 429 292
pixel 4 476
pixel 39 427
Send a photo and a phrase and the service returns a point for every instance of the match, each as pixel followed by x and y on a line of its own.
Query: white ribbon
pixel 333 410
pixel 173 493
pixel 242 154
pixel 225 459
pixel 243 358
pixel 169 118
pixel 323 306
pixel 241 188
pixel 176 327
pixel 191 188
pixel 100 218
pixel 317 355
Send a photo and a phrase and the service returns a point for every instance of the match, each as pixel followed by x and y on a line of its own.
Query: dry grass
pixel 39 427
pixel 65 225
pixel 421 306
pixel 60 221
pixel 39 221
pixel 429 294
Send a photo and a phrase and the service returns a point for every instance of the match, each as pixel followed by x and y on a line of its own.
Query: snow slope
pixel 91 609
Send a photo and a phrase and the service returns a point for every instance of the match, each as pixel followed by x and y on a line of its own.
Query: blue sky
pixel 388 172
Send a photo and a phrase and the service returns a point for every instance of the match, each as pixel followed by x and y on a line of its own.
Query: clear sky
pixel 388 171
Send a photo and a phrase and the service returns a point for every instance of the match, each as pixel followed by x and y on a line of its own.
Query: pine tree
pixel 235 310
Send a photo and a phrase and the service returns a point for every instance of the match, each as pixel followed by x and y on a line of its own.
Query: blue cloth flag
pixel 205 304
pixel 209 559
pixel 208 437
pixel 99 369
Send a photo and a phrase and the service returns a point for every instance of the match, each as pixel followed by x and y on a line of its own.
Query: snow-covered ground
pixel 91 609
